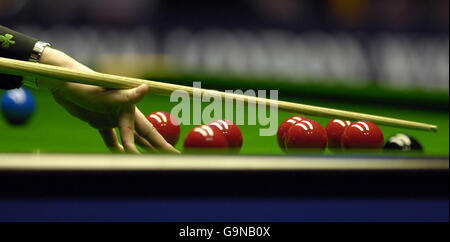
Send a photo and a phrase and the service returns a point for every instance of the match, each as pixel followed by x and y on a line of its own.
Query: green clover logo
pixel 6 40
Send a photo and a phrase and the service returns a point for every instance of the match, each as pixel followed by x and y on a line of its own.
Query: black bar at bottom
pixel 238 184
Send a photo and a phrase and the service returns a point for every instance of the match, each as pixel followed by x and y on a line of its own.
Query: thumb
pixel 135 95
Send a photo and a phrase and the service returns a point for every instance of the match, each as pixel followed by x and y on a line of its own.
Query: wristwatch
pixel 37 51
pixel 35 56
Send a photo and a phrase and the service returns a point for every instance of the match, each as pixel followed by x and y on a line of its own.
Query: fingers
pixel 147 131
pixel 126 96
pixel 111 141
pixel 105 109
pixel 142 142
pixel 126 128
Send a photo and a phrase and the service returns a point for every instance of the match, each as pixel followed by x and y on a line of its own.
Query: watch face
pixel 37 51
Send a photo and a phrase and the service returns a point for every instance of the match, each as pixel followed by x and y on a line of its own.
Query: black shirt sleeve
pixel 14 45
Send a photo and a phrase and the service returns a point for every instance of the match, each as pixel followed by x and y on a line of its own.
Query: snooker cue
pixel 43 71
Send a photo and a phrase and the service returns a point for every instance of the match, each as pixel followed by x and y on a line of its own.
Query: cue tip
pixel 434 128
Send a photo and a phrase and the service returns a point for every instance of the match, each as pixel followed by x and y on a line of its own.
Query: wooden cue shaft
pixel 24 68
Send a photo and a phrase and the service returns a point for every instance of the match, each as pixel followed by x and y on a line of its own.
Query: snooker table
pixel 56 168
pixel 205 188
pixel 53 130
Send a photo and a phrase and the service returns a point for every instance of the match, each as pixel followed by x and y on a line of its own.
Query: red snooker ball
pixel 166 125
pixel 284 128
pixel 204 137
pixel 362 135
pixel 306 135
pixel 335 128
pixel 231 132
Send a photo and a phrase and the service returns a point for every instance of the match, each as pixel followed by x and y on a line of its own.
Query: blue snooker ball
pixel 17 106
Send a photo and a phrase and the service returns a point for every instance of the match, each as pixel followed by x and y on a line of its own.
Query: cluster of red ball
pixel 294 134
pixel 299 134
pixel 219 135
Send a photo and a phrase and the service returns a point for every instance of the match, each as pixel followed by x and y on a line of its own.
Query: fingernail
pixel 142 89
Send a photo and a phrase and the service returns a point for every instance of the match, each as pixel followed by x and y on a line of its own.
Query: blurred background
pixel 387 44
pixel 385 57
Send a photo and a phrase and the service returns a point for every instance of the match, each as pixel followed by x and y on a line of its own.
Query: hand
pixel 106 109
